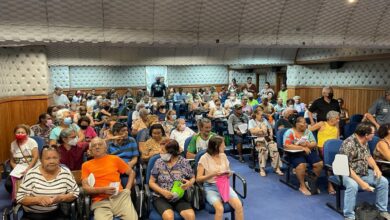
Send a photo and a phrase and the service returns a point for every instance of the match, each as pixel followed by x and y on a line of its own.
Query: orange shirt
pixel 106 170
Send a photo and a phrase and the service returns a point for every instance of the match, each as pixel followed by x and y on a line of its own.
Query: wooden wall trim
pixel 23 98
pixel 384 56
pixel 339 87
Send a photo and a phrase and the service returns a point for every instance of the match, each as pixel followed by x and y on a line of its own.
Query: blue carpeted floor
pixel 268 199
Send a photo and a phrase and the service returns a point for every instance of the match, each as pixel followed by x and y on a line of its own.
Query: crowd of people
pixel 106 135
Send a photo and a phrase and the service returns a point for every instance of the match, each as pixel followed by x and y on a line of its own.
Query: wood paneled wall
pixel 14 111
pixel 357 100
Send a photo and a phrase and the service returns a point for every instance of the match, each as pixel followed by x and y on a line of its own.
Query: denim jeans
pixel 381 189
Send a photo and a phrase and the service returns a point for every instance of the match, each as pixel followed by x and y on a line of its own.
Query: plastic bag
pixel 223 186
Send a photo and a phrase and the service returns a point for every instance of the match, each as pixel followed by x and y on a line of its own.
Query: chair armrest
pixel 244 185
pixel 293 151
pixel 139 200
pixel 73 213
pixel 15 211
pixel 148 197
pixel 383 162
pixel 87 206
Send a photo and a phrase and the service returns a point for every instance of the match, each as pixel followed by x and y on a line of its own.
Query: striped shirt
pixel 35 184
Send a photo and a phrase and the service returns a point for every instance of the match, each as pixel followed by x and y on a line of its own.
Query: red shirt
pixel 73 158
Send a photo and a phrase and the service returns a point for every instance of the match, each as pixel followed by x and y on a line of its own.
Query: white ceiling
pixel 243 23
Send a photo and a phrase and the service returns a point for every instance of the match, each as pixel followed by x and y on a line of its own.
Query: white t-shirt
pixel 60 99
pixel 181 136
pixel 26 148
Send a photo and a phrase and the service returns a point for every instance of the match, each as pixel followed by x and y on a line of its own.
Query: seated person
pixel 300 138
pixel 279 108
pixel 327 130
pixel 169 122
pixel 344 114
pixel 246 108
pixel 298 105
pixel 283 122
pixel 138 107
pixel 218 112
pixel 71 151
pixel 252 101
pixel 212 164
pixel 161 111
pixel 259 127
pixel 65 121
pixel 379 112
pixel 181 133
pixel 84 124
pixel 268 110
pixel 235 122
pixel 46 185
pixel 24 152
pixel 360 160
pixel 124 147
pixel 83 113
pixel 140 123
pixel 231 101
pixel 382 149
pixel 109 199
pixel 43 128
pixel 171 167
pixel 153 145
pixel 180 101
pixel 200 141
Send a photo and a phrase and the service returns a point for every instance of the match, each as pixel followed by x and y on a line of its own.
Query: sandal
pixel 306 193
pixel 262 172
pixel 279 172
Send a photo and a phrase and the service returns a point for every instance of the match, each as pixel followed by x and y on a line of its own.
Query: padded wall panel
pixel 97 76
pixel 196 75
pixel 59 77
pixel 23 71
pixel 241 76
pixel 354 74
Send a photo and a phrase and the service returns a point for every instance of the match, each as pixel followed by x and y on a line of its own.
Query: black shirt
pixel 321 107
pixel 158 89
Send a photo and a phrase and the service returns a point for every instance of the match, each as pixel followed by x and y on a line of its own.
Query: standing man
pixel 59 98
pixel 283 93
pixel 323 105
pixel 381 110
pixel 158 89
pixel 360 159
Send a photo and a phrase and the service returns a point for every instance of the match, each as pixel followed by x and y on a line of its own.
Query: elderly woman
pixel 84 124
pixel 43 128
pixel 181 133
pixel 71 150
pixel 153 145
pixel 212 164
pixel 300 138
pixel 382 149
pixel 140 123
pixel 169 122
pixel 259 127
pixel 45 186
pixel 327 130
pixel 109 197
pixel 138 107
pixel 24 155
pixel 65 121
pixel 168 170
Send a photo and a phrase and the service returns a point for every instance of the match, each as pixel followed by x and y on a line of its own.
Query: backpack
pixel 367 211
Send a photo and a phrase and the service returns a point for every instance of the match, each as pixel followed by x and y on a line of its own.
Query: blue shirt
pixel 127 151
pixel 179 97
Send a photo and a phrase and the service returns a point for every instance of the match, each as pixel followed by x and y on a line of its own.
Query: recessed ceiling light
pixel 351 1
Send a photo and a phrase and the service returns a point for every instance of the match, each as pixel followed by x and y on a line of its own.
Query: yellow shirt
pixel 326 133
